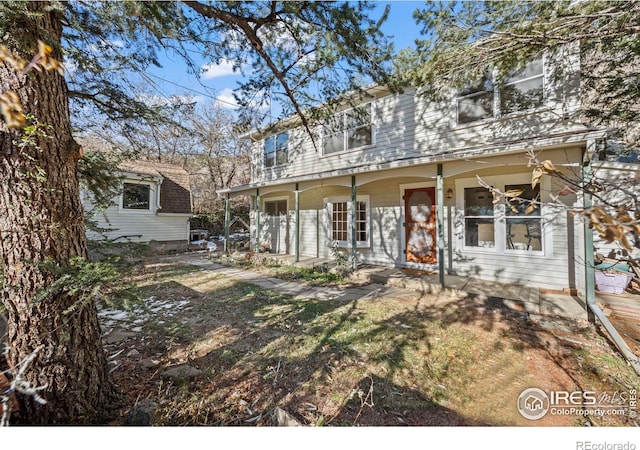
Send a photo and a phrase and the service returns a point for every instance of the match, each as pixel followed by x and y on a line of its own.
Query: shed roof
pixel 175 190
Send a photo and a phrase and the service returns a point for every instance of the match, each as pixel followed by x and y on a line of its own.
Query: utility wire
pixel 192 90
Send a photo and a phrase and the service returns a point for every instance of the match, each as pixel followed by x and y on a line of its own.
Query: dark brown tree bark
pixel 41 220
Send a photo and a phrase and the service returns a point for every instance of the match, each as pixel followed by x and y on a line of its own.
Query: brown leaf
pixel 549 167
pixel 537 174
pixel 11 110
pixel 513 193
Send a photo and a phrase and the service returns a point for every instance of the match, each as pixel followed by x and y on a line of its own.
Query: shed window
pixel 136 196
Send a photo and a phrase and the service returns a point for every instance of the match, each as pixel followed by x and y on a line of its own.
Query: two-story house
pixel 397 179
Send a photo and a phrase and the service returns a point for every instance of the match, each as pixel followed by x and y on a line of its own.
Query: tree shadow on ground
pixel 318 359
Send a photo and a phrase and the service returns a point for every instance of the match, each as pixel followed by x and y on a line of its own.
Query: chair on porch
pixel 533 232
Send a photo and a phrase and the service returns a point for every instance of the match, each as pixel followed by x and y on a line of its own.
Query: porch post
pixel 354 237
pixel 227 219
pixel 440 223
pixel 257 245
pixel 589 263
pixel 297 207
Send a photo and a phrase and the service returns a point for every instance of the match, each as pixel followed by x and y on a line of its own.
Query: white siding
pixel 138 225
pixel 408 126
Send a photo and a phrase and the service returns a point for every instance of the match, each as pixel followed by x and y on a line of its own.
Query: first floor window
pixel 136 196
pixel 340 213
pixel 479 222
pixel 503 224
pixel 523 219
pixel 361 222
pixel 275 207
pixel 339 221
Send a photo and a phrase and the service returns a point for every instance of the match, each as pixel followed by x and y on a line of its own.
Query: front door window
pixel 420 225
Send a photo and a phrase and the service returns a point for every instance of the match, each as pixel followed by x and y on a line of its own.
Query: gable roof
pixel 175 190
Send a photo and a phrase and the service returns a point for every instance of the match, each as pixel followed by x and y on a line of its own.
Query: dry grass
pixel 412 360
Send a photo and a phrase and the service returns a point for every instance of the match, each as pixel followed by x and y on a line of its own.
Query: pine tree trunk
pixel 41 220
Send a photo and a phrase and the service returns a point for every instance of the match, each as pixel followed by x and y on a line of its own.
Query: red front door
pixel 420 225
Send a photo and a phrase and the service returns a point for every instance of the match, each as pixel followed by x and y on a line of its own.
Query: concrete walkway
pixel 295 289
pixel 374 282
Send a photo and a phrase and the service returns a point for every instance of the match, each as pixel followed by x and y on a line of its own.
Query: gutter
pixel 590 295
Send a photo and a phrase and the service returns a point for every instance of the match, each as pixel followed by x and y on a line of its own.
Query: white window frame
pixel 329 202
pixel 496 110
pixel 343 115
pixel 499 216
pixel 153 197
pixel 275 150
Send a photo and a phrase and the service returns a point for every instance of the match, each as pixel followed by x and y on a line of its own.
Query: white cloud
pixel 225 68
pixel 172 100
pixel 226 100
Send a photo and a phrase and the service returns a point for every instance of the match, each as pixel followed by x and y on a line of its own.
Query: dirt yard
pixel 242 355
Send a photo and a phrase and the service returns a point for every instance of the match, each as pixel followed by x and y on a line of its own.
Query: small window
pixel 479 222
pixel 348 130
pixel 523 89
pixel 276 150
pixel 476 101
pixel 523 217
pixel 136 196
pixel 358 127
pixel 276 207
pixel 341 222
pixel 493 96
pixel 361 222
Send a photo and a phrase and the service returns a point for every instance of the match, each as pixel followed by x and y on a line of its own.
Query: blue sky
pixel 219 81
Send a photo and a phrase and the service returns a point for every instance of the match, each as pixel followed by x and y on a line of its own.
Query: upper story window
pixel 476 101
pixel 276 150
pixel 523 89
pixel 136 196
pixel 493 96
pixel 348 130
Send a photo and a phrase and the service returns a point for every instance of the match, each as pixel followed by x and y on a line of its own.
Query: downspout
pixel 589 269
pixel 440 223
pixel 160 179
